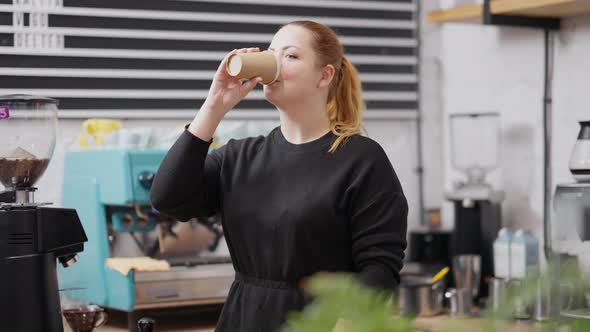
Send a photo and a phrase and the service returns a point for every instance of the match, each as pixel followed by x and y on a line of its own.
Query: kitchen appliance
pixel 467 272
pixel 420 296
pixel 477 209
pixel 569 229
pixel 521 303
pixel 580 158
pixel 570 225
pixel 497 293
pixel 542 306
pixel 32 236
pixel 85 319
pixel 146 325
pixel 430 246
pixel 461 300
pixel 110 189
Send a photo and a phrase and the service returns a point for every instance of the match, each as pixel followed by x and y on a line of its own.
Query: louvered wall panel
pixel 147 58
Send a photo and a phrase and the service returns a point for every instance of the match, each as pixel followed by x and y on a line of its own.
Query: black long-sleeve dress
pixel 289 211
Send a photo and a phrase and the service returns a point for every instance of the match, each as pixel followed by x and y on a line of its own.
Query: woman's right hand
pixel 227 91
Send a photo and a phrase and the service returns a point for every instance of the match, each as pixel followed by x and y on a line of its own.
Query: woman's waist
pixel 268 282
pixel 295 281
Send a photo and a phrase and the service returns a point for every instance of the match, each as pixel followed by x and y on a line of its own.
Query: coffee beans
pixel 21 173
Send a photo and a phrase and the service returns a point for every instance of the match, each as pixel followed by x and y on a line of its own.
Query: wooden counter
pixel 206 323
pixel 169 321
pixel 447 323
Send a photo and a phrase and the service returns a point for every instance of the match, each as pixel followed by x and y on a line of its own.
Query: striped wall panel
pixel 155 58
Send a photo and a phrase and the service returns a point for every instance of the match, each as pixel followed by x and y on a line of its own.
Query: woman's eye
pixel 291 56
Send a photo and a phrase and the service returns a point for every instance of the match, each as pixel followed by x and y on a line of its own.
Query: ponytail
pixel 345 103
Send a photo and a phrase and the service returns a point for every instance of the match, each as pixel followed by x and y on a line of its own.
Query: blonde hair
pixel 345 103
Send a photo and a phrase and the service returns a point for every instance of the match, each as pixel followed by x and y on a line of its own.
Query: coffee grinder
pixel 32 236
pixel 474 150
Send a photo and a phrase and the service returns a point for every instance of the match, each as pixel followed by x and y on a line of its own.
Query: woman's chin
pixel 271 95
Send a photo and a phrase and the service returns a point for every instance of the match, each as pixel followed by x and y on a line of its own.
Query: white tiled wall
pixel 501 69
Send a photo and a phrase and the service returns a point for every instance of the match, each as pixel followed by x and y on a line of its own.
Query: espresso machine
pixel 109 187
pixel 570 240
pixel 33 237
pixel 477 206
pixel 569 226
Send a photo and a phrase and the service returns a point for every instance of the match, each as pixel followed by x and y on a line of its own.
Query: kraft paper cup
pixel 250 65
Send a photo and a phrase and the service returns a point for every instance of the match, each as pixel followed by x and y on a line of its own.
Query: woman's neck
pixel 304 122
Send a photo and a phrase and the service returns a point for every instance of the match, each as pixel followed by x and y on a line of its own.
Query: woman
pixel 314 195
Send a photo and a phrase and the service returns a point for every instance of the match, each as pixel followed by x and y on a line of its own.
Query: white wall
pixel 486 68
pixel 398 139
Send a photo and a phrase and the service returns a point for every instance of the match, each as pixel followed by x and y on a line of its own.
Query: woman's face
pixel 300 73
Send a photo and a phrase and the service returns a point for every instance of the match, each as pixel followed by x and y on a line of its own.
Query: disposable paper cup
pixel 253 64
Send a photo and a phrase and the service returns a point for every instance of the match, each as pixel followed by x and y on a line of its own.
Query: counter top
pixel 180 321
pixel 442 323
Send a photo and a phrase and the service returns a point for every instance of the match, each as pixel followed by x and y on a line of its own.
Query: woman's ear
pixel 327 76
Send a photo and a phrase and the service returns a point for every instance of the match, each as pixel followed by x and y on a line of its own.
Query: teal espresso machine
pixel 110 191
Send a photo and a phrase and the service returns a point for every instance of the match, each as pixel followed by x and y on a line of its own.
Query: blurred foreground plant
pixel 340 300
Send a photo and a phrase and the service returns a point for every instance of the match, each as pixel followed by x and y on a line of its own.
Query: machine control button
pixel 67 261
pixel 146 178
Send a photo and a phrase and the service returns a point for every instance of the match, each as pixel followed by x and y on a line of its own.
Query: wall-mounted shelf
pixel 526 8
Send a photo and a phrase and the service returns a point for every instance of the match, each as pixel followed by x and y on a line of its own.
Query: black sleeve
pixel 187 182
pixel 378 218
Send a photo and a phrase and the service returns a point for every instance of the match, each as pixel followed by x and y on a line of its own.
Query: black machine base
pixel 32 240
pixel 30 294
pixel 475 230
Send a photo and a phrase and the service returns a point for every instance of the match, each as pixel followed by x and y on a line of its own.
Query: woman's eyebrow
pixel 284 47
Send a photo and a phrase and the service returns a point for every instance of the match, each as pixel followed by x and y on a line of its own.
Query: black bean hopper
pixel 33 236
